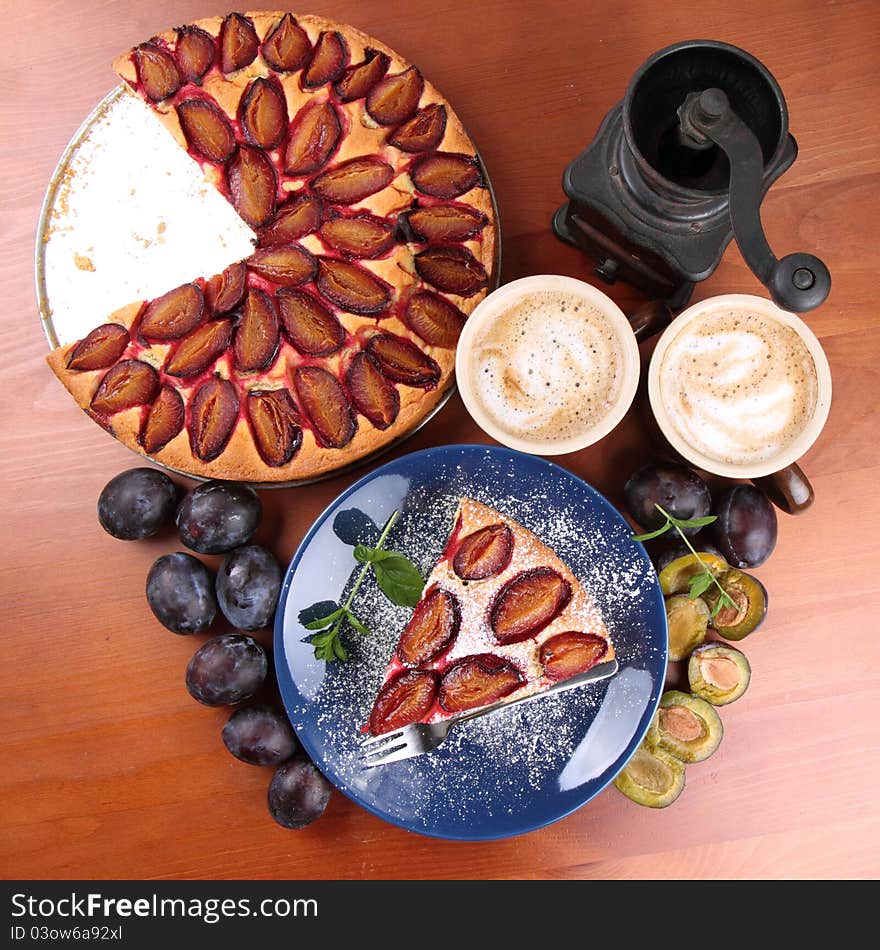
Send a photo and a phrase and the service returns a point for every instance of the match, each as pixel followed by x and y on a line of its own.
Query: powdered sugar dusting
pixel 492 769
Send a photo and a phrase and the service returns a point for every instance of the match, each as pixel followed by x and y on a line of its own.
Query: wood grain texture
pixel 109 769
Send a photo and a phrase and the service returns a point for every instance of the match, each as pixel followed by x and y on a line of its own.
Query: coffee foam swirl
pixel 738 386
pixel 547 368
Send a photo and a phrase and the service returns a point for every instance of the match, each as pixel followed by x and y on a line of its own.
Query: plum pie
pixel 501 616
pixel 375 238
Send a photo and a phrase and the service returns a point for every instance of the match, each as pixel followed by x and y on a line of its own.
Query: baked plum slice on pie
pixel 374 239
pixel 493 577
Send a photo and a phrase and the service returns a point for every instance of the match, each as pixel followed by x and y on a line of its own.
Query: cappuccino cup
pixel 547 364
pixel 740 388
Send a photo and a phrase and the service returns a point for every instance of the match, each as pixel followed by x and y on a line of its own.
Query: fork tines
pixel 375 750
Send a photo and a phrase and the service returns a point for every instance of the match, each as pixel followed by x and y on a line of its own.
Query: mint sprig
pixel 700 582
pixel 398 578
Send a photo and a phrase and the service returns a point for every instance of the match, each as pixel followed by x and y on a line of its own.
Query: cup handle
pixel 788 489
pixel 649 319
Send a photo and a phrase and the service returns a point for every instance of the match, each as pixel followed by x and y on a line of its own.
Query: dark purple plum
pixel 248 584
pixel 676 488
pixel 665 554
pixel 746 527
pixel 180 592
pixel 218 516
pixel 226 670
pixel 259 735
pixel 137 504
pixel 298 793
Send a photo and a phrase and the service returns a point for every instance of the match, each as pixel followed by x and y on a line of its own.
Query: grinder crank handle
pixel 798 282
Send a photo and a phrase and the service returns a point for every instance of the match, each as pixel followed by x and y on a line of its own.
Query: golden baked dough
pixel 240 458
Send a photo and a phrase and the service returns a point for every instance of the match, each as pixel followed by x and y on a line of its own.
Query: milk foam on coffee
pixel 738 386
pixel 546 368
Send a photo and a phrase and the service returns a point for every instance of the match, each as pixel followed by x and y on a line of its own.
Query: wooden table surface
pixel 109 769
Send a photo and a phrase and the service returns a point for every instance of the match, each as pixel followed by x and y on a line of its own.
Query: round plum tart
pixel 375 237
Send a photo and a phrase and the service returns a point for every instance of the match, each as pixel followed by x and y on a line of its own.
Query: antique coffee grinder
pixel 678 168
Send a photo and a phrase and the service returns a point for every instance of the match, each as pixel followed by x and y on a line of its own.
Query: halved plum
pixel 527 603
pixel 405 699
pixel 100 349
pixel 351 287
pixel 675 577
pixel 198 350
pixel 477 680
pixel 287 47
pixel 484 553
pixel 275 425
pixel 431 629
pixel 652 777
pixel 299 216
pixel 445 174
pixel 688 620
pixel 687 726
pixel 442 222
pixel 239 43
pixel 256 335
pixel 157 71
pixel 353 180
pixel 206 129
pixel 262 113
pixel 373 395
pixel 225 291
pixel 286 264
pixel 212 418
pixel 452 269
pixel 437 321
pixel 423 132
pixel 308 324
pixel 395 98
pixel 358 236
pixel 329 59
pixel 402 361
pixel 127 384
pixel 195 52
pixel 324 402
pixel 253 185
pixel 314 135
pixel 570 653
pixel 750 597
pixel 163 421
pixel 172 315
pixel 360 78
pixel 718 673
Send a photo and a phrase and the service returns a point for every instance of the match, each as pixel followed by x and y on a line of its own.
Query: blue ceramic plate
pixel 518 769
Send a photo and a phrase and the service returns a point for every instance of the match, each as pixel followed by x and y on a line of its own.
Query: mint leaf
pixel 694 522
pixel 652 534
pixel 322 622
pixel 328 646
pixel 699 584
pixel 398 579
pixel 357 624
pixel 319 609
pixel 717 608
pixel 363 554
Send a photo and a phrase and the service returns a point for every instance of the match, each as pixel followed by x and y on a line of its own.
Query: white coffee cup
pixel 547 364
pixel 739 387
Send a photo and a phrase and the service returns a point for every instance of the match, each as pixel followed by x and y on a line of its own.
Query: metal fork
pixel 421 737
